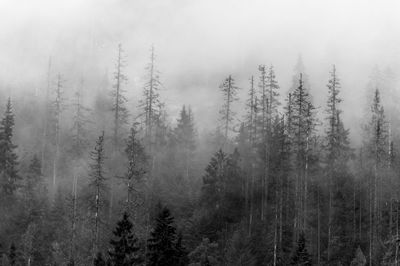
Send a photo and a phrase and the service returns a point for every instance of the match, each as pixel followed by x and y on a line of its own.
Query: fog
pixel 89 160
pixel 198 43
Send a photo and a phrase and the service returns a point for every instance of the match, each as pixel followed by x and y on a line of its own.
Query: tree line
pixel 280 185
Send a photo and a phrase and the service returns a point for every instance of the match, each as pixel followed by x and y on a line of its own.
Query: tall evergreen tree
pixel 98 189
pixel 80 121
pixel 137 161
pixel 229 90
pixel 303 124
pixel 125 247
pixel 184 137
pixel 8 157
pixel 119 108
pixel 338 154
pixel 162 244
pixel 150 103
pixel 57 108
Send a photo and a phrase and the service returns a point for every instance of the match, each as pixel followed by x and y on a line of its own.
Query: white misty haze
pixel 199 43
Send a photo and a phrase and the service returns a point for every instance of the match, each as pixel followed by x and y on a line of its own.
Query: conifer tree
pixel 8 157
pixel 184 137
pixel 46 116
pixel 136 164
pixel 80 121
pixel 151 101
pixel 124 247
pixel 338 153
pixel 99 188
pixel 119 108
pixel 162 244
pixel 229 90
pixel 303 123
pixel 376 143
pixel 57 111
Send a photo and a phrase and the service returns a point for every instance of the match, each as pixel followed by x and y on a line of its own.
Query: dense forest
pixel 88 180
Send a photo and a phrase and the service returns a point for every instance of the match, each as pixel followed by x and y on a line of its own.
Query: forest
pixel 87 180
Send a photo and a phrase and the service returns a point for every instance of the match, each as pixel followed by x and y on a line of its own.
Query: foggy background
pixel 198 44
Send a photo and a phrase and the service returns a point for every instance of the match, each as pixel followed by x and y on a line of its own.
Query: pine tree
pixel 163 241
pixel 119 108
pixel 8 157
pixel 229 90
pixel 125 248
pixel 301 256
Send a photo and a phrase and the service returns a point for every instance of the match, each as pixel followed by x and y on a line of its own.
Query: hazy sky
pixel 199 43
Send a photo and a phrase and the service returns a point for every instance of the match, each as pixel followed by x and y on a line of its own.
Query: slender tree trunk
pixel 46 118
pixel 57 132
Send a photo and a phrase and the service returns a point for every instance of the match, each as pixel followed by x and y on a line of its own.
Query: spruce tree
pixel 8 157
pixel 163 241
pixel 125 248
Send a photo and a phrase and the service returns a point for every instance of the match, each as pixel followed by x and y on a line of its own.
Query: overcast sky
pixel 199 43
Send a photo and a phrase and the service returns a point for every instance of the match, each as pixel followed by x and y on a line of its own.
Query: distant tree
pixel 125 248
pixel 229 90
pixel 375 144
pixel 301 256
pixel 8 157
pixel 98 186
pixel 119 108
pixel 185 140
pixel 80 121
pixel 137 161
pixel 337 156
pixel 150 103
pixel 303 123
pixel 57 109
